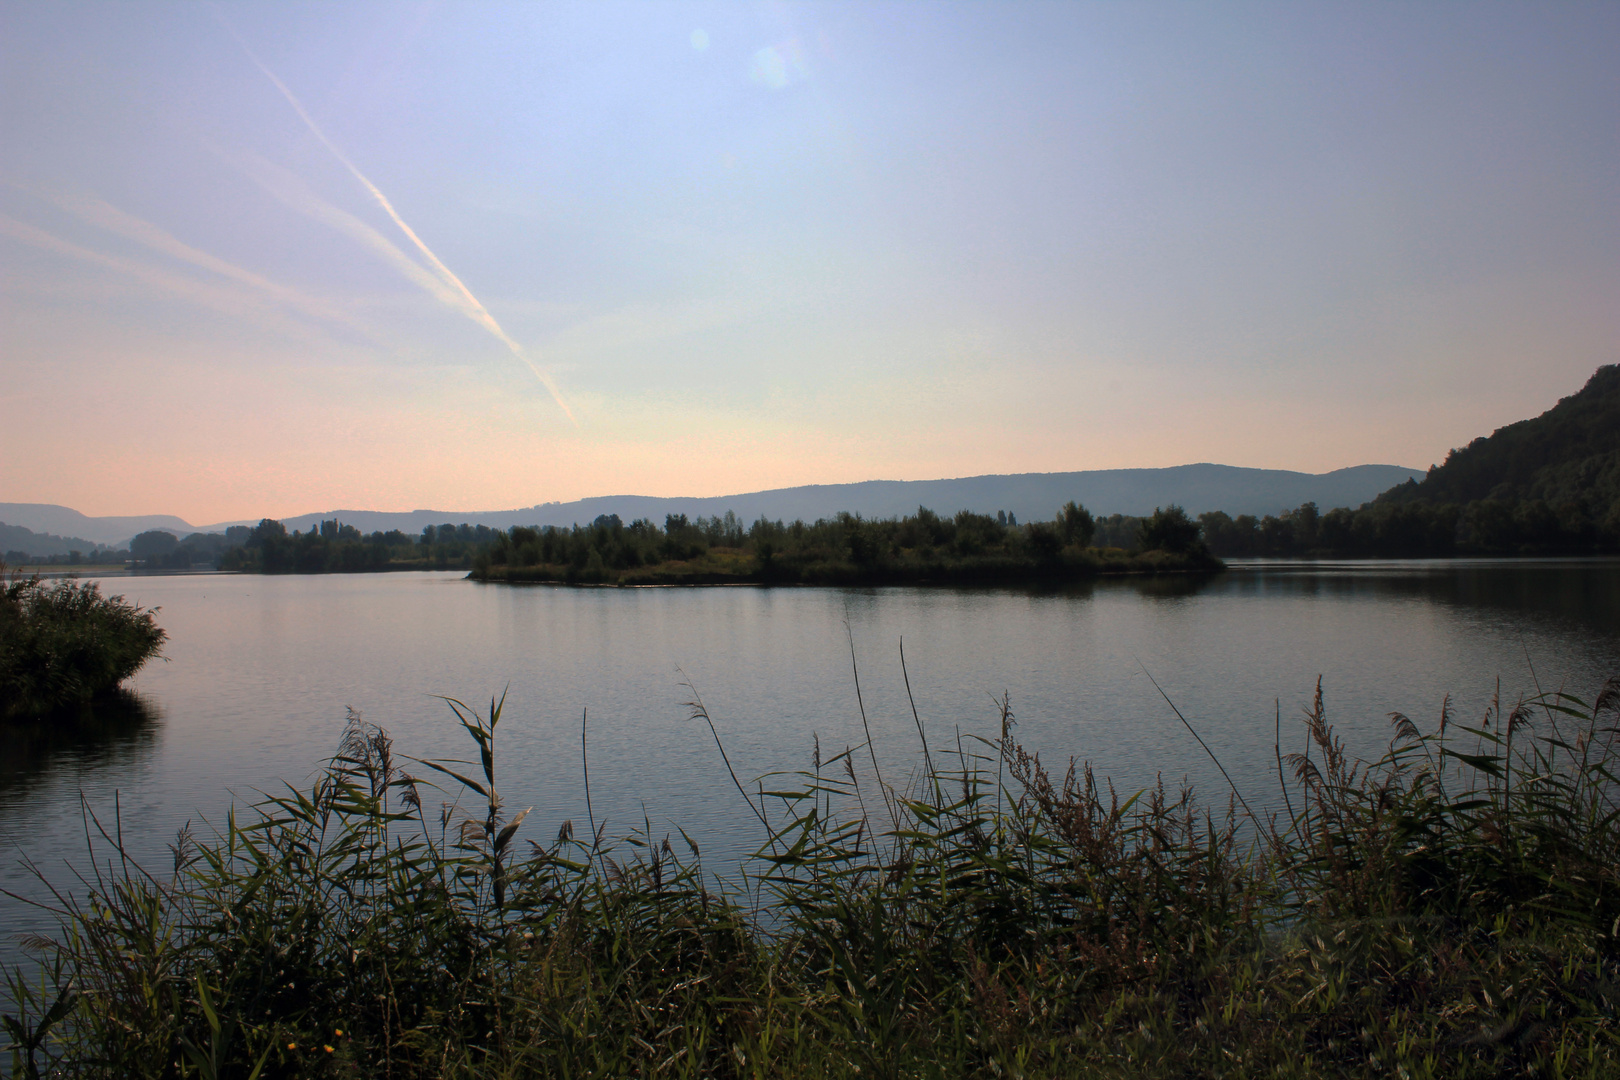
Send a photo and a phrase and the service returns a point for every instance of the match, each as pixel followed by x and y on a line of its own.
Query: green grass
pixel 63 644
pixel 1447 911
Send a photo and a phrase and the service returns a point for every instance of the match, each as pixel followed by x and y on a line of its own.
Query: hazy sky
pixel 274 258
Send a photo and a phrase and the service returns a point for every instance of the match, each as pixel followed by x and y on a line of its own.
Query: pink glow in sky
pixel 275 258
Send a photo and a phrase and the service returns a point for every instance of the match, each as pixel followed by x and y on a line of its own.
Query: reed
pixel 1450 909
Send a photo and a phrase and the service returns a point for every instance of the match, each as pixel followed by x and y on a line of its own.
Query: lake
pixel 260 671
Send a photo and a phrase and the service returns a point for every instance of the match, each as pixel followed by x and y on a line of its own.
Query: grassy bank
pixel 62 644
pixel 1449 910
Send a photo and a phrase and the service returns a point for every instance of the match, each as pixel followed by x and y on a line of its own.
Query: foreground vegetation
pixel 968 548
pixel 63 644
pixel 1449 910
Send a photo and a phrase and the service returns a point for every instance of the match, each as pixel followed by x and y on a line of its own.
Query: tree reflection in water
pixel 114 729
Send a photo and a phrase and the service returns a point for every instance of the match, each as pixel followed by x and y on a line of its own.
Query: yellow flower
pixel 338 1030
pixel 292 1046
pixel 328 1049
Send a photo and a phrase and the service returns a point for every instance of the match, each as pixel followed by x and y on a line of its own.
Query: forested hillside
pixel 1568 454
pixel 1545 486
pixel 17 541
pixel 1551 483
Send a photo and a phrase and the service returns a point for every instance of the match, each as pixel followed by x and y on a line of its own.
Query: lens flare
pixel 779 66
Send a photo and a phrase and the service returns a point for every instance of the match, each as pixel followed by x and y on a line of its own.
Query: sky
pixel 272 258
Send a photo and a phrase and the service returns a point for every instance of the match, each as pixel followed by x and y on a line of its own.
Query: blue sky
pixel 272 258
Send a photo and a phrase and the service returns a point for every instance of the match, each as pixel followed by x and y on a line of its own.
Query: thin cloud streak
pixel 291 190
pixel 469 304
pixel 101 213
pixel 227 300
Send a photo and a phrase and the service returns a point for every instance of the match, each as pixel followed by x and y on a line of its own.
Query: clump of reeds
pixel 1449 910
pixel 63 644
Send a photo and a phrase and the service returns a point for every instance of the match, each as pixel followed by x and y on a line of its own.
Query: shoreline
pixel 731 569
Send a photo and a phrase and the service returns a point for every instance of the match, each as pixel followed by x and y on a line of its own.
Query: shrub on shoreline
pixel 63 644
pixel 1448 910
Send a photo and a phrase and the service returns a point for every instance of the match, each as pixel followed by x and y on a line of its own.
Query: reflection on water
pixel 1578 593
pixel 117 729
pixel 1168 586
pixel 1174 586
pixel 46 766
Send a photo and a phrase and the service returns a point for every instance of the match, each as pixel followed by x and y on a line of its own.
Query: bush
pixel 63 644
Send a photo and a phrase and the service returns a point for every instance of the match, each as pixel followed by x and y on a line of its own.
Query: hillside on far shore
pixel 1570 454
pixel 1029 496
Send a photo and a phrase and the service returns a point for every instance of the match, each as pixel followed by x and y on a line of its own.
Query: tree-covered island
pixel 923 548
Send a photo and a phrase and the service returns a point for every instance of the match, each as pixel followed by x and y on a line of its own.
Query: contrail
pixel 99 212
pixel 230 301
pixel 295 193
pixel 470 304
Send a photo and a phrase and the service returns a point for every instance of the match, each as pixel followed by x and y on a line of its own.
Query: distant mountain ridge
pixel 49 518
pixel 1568 454
pixel 18 538
pixel 1031 496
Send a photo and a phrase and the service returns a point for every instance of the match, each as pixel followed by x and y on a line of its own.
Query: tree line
pixel 921 546
pixel 1391 529
pixel 852 547
pixel 924 546
pixel 333 547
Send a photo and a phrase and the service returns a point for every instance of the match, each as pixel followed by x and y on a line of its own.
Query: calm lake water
pixel 260 670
